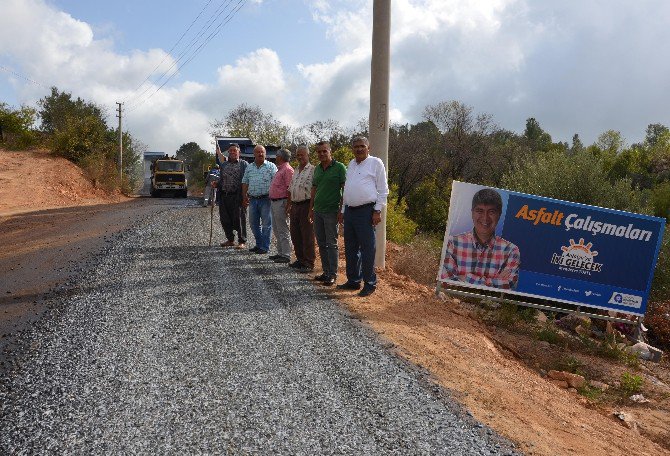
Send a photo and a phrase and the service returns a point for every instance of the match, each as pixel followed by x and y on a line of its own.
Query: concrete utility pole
pixel 120 144
pixel 379 102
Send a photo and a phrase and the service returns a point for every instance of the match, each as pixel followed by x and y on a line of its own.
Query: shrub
pixel 399 228
pixel 562 176
pixel 660 200
pixel 658 322
pixel 419 259
pixel 16 127
pixel 428 205
pixel 630 384
pixel 549 333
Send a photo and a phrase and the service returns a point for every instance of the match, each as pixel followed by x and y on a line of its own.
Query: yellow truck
pixel 168 176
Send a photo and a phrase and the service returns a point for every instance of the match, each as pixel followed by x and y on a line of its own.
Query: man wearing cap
pixel 326 203
pixel 365 193
pixel 232 214
pixel 256 195
pixel 279 198
pixel 302 230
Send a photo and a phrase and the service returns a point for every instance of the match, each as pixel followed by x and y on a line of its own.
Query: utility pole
pixel 120 144
pixel 379 102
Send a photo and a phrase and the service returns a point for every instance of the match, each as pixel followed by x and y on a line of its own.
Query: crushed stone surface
pixel 169 346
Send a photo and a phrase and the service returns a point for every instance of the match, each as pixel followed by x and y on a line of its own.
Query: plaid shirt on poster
pixel 493 264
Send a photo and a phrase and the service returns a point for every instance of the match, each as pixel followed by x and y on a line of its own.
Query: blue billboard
pixel 529 245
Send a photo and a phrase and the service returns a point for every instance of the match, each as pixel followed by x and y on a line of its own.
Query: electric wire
pixel 193 54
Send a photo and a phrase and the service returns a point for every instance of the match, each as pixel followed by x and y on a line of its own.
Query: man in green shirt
pixel 326 204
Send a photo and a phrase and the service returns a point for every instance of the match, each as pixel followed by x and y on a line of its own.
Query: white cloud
pixel 575 66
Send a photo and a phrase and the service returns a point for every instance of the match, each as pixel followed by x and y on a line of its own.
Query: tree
pixel 16 126
pixel 414 153
pixel 251 122
pixel 577 145
pixel 197 159
pixel 562 176
pixel 465 146
pixel 538 139
pixel 654 132
pixel 428 204
pixel 58 107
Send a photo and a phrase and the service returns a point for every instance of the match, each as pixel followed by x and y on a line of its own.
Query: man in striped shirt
pixel 479 257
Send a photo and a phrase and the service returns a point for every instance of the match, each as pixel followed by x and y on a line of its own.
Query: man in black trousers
pixel 229 193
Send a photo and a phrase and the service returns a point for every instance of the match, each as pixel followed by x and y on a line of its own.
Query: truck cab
pixel 168 175
pixel 246 148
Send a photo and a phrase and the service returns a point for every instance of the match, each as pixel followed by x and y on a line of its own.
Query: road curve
pixel 171 347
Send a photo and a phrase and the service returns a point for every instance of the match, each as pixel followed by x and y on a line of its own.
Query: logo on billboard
pixel 577 257
pixel 623 299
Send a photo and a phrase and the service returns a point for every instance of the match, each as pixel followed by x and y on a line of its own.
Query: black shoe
pixel 305 269
pixel 274 257
pixel 349 286
pixel 260 251
pixel 329 281
pixel 321 277
pixel 366 291
pixel 296 264
pixel 282 259
pixel 254 249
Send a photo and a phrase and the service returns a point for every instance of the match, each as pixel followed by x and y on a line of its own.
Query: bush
pixel 16 127
pixel 562 176
pixel 428 205
pixel 399 228
pixel 420 259
pixel 630 384
pixel 660 200
pixel 658 322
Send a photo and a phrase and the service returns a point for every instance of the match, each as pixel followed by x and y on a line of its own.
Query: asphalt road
pixel 166 346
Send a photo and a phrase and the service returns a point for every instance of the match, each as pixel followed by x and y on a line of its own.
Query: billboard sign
pixel 540 247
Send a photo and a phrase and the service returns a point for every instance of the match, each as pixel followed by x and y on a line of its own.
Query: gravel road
pixel 168 346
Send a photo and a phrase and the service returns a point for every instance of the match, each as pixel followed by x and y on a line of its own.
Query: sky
pixel 576 66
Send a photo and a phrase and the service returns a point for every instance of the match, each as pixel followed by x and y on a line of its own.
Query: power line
pixel 225 21
pixel 9 70
pixel 166 74
pixel 174 46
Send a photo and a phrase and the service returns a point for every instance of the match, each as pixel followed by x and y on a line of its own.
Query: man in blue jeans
pixel 256 196
pixel 365 193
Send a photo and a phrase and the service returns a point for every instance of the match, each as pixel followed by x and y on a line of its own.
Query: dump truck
pixel 168 176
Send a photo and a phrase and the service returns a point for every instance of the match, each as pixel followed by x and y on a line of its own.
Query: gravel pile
pixel 172 347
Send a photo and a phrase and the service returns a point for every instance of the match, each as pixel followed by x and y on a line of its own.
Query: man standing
pixel 365 193
pixel 229 194
pixel 256 196
pixel 326 203
pixel 302 230
pixel 279 200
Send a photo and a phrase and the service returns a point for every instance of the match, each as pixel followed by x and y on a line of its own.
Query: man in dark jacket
pixel 229 194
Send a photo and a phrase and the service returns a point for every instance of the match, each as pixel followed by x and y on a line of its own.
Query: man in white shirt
pixel 365 193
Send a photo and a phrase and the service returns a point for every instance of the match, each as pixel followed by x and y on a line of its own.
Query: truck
pixel 168 175
pixel 246 148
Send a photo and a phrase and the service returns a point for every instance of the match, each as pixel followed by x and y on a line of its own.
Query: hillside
pixel 36 180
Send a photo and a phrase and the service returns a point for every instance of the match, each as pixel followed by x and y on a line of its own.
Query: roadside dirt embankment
pixel 36 180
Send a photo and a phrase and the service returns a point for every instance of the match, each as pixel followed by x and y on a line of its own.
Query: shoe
pixel 305 269
pixel 321 277
pixel 349 286
pixel 241 246
pixel 260 251
pixel 366 291
pixel 227 244
pixel 329 282
pixel 274 257
pixel 282 259
pixel 296 264
pixel 254 249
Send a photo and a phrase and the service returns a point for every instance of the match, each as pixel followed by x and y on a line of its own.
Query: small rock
pixel 582 331
pixel 600 385
pixel 560 383
pixel 640 399
pixel 627 419
pixel 573 380
pixel 572 390
pixel 540 317
pixel 645 351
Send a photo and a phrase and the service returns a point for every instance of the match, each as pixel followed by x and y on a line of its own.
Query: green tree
pixel 251 122
pixel 428 204
pixel 399 228
pixel 577 145
pixel 538 139
pixel 654 132
pixel 16 126
pixel 197 159
pixel 563 176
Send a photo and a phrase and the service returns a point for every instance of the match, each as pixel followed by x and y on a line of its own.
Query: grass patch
pixel 630 384
pixel 590 392
pixel 549 333
pixel 570 364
